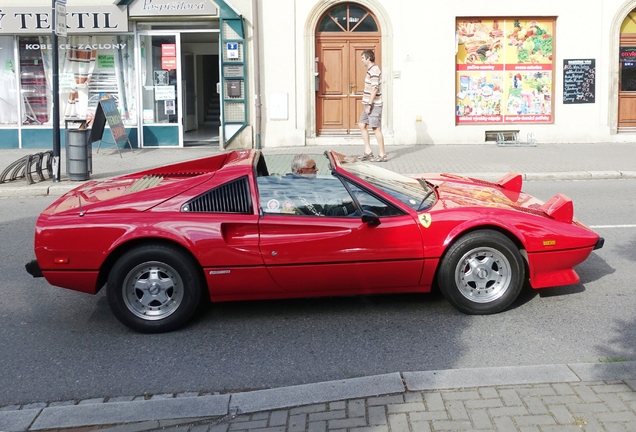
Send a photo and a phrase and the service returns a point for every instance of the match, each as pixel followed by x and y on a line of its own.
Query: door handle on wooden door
pixel 316 75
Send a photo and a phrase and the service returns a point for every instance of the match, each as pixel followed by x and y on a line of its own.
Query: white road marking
pixel 612 226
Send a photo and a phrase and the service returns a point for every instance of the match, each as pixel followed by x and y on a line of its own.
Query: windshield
pixel 415 193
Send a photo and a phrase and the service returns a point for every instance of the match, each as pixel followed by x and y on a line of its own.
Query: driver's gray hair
pixel 300 162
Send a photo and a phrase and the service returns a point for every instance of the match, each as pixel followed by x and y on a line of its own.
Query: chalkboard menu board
pixel 579 81
pixel 107 112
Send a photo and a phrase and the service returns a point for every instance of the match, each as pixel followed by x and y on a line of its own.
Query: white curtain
pixel 79 60
pixel 8 77
pixel 126 78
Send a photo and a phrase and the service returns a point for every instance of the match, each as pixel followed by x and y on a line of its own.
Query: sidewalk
pixel 574 397
pixel 487 161
pixel 548 398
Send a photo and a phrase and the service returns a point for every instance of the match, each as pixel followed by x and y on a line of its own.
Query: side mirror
pixel 370 218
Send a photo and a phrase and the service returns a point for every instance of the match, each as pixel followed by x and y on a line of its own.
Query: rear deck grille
pixel 146 182
pixel 232 197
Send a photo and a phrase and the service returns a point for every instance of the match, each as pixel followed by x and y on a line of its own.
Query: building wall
pixel 419 47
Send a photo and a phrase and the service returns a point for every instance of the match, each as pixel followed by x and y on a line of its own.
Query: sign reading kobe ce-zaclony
pixel 79 19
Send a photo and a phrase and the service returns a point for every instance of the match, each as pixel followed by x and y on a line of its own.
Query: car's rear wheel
pixel 154 289
pixel 482 273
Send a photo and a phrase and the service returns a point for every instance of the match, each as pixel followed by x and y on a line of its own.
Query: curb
pixel 11 191
pixel 211 406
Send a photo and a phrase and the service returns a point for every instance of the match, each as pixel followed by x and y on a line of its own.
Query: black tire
pixel 154 289
pixel 481 273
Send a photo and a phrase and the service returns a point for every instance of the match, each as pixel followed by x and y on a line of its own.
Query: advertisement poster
pixel 504 71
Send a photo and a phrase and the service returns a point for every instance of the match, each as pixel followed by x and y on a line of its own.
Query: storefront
pixel 96 58
pixel 159 60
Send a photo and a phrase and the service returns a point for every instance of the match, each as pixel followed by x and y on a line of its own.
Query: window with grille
pixel 231 197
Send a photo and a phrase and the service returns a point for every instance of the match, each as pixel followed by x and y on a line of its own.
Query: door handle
pixel 316 76
pixel 351 87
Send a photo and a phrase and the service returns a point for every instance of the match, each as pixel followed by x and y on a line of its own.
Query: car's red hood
pixel 460 194
pixel 457 191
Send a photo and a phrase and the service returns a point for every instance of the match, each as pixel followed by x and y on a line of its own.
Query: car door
pixel 312 247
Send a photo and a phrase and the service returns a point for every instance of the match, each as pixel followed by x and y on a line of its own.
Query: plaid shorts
pixel 374 118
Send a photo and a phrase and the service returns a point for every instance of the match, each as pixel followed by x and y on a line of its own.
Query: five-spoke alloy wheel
pixel 154 288
pixel 482 273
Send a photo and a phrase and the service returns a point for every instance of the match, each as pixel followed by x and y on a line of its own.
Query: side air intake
pixel 232 197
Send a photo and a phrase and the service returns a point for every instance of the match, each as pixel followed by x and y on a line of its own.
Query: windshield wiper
pixel 428 194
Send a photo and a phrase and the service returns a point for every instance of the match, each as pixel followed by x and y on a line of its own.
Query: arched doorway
pixel 343 32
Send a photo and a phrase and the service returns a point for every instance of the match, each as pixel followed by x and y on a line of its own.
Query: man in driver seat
pixel 304 167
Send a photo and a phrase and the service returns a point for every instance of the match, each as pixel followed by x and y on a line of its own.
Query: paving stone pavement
pixel 556 407
pixel 543 398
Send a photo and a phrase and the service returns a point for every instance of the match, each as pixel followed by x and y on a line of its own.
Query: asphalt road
pixel 59 345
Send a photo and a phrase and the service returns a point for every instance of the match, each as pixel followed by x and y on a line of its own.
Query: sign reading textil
pixel 79 19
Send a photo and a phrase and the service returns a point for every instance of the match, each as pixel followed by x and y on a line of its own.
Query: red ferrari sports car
pixel 225 227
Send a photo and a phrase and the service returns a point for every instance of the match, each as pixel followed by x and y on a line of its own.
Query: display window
pixel 90 67
pixel 504 70
pixel 8 85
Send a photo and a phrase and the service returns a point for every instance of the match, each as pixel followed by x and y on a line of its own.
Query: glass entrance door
pixel 160 72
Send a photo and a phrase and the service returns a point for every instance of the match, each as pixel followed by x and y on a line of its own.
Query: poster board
pixel 107 112
pixel 579 81
pixel 504 70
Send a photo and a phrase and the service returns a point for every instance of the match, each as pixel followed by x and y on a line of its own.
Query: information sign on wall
pixel 232 50
pixel 579 81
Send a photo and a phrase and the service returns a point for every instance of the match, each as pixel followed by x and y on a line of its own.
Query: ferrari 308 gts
pixel 227 228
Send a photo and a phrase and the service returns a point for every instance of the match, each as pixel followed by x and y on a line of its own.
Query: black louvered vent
pixel 232 197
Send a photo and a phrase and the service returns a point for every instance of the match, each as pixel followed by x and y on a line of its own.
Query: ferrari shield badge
pixel 425 220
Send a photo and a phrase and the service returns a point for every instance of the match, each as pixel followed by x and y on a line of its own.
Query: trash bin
pixel 79 154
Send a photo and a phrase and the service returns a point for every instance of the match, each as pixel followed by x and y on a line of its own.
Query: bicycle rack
pixel 512 140
pixel 27 166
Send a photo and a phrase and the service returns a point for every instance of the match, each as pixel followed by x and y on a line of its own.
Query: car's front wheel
pixel 153 289
pixel 482 273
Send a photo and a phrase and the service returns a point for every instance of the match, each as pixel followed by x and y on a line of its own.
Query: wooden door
pixel 340 83
pixel 627 112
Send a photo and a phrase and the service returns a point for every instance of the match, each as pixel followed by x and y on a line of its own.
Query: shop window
pixel 504 70
pixel 348 18
pixel 36 96
pixel 91 67
pixel 8 93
